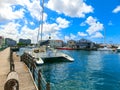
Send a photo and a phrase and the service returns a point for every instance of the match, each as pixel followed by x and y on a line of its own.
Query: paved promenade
pixel 25 80
pixel 4 66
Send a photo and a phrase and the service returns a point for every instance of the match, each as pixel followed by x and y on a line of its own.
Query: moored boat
pixel 118 49
pixel 104 49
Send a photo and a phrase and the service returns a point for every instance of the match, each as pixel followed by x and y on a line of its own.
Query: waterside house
pixel 86 44
pixel 71 43
pixel 56 43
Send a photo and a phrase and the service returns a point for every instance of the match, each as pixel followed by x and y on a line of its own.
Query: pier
pixel 20 73
pixel 25 79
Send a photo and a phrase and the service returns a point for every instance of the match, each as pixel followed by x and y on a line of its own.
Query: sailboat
pixel 105 48
pixel 41 53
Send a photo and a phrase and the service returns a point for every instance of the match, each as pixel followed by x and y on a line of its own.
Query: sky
pixel 95 20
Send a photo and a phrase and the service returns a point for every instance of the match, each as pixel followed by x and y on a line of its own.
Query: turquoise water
pixel 91 70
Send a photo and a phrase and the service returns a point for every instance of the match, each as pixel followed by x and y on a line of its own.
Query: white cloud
pixel 82 34
pixel 7 13
pixel 72 8
pixel 33 7
pixel 10 30
pixel 67 38
pixel 27 33
pixel 32 23
pixel 117 9
pixel 60 24
pixel 97 35
pixel 63 23
pixel 54 36
pixel 7 7
pixel 95 26
pixel 72 36
pixel 83 24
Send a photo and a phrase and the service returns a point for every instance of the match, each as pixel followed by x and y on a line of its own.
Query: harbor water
pixel 91 70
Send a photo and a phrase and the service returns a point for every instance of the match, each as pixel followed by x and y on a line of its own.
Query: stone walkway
pixel 25 80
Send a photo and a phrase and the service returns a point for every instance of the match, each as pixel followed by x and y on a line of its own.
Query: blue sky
pixel 63 19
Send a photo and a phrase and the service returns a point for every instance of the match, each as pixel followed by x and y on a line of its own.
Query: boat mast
pixel 104 37
pixel 40 28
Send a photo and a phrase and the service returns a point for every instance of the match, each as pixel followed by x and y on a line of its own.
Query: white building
pixel 10 42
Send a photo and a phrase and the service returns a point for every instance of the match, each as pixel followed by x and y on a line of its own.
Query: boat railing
pixel 37 75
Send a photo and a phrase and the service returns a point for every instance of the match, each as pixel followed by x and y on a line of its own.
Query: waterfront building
pixel 71 43
pixel 84 43
pixel 56 43
pixel 10 42
pixel 25 41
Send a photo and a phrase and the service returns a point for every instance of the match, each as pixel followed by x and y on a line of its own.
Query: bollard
pixel 12 81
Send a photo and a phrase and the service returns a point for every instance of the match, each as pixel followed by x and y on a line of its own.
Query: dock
pixel 25 79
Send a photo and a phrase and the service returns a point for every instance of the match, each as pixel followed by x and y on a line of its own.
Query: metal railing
pixel 37 74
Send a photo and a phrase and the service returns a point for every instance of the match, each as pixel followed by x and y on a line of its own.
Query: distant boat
pixel 105 48
pixel 118 49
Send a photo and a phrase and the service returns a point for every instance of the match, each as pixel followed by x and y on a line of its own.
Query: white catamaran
pixel 41 53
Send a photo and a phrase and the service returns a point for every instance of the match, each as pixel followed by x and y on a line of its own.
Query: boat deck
pixel 25 80
pixel 47 55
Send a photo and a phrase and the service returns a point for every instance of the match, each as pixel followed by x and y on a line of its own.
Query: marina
pixel 59 45
pixel 96 70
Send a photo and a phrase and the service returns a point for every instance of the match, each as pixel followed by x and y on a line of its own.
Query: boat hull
pixel 118 50
pixel 65 48
pixel 55 59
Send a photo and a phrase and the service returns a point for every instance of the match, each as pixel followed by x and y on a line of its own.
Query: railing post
pixel 12 67
pixel 48 86
pixel 39 80
pixel 34 70
pixel 21 58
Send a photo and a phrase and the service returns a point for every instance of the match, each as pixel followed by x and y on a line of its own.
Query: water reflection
pixel 55 72
pixel 94 62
